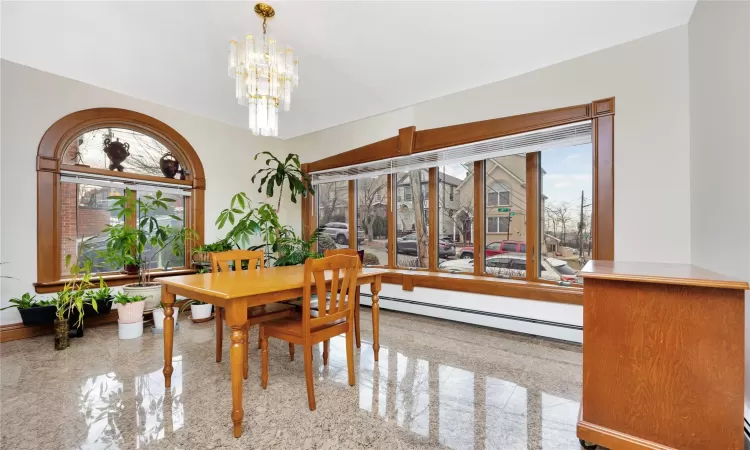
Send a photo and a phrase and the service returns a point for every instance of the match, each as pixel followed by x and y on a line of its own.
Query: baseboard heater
pixel 478 312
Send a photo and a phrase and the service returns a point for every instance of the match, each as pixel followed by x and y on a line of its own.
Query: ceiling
pixel 357 59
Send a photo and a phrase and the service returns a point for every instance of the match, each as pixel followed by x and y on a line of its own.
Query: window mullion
pixel 479 217
pixel 434 231
pixel 532 218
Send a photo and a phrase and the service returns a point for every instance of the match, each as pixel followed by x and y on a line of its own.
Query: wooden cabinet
pixel 663 357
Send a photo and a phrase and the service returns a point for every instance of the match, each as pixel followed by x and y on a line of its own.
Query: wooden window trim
pixel 409 141
pixel 52 146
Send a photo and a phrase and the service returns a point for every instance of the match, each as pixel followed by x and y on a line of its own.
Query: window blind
pixel 533 141
pixel 119 183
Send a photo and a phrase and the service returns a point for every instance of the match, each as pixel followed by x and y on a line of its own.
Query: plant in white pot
pixel 136 248
pixel 199 311
pixel 130 314
pixel 159 317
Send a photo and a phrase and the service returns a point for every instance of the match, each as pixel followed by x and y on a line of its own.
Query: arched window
pixel 89 155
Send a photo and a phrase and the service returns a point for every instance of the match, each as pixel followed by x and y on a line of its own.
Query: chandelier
pixel 264 78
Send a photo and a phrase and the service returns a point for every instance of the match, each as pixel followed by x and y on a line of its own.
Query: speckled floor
pixel 438 384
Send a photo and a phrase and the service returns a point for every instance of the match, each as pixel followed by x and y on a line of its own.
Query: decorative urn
pixel 117 152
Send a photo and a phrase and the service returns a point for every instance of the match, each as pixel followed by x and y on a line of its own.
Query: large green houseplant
pixel 277 173
pixel 138 246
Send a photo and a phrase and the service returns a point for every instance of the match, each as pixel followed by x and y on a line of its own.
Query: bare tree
pixel 329 200
pixel 563 213
pixel 368 190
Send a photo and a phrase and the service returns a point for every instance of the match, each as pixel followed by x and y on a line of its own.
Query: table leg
pixel 245 354
pixel 236 317
pixel 168 299
pixel 375 289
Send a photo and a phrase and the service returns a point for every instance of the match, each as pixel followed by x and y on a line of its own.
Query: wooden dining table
pixel 236 291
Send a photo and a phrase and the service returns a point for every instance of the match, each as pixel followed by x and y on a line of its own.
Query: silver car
pixel 339 231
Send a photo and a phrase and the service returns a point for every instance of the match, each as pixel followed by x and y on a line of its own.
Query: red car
pixel 495 248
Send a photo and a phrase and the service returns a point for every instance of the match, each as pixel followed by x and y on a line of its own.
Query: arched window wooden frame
pixel 49 166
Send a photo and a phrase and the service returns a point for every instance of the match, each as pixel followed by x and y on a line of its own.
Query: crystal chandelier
pixel 263 78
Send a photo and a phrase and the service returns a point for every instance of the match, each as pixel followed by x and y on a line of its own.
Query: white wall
pixel 719 43
pixel 32 100
pixel 648 77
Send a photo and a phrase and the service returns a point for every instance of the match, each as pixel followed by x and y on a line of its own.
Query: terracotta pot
pixel 131 313
pixel 61 335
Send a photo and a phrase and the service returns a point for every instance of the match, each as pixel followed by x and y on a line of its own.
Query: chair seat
pixel 293 325
pixel 271 308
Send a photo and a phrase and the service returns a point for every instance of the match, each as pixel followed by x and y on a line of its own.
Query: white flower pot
pixel 131 312
pixel 199 312
pixel 130 330
pixel 159 317
pixel 152 294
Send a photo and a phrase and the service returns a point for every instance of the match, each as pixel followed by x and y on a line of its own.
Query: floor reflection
pixel 435 386
pixel 459 409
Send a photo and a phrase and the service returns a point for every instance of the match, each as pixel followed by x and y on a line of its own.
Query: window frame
pixel 50 167
pixel 410 141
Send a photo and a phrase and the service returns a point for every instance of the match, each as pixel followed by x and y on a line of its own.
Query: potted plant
pixel 33 311
pixel 248 221
pixel 72 299
pixel 199 311
pixel 96 302
pixel 201 253
pixel 277 173
pixel 159 317
pixel 130 315
pixel 294 250
pixel 127 244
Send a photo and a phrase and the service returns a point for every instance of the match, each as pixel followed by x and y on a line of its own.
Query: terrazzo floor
pixel 438 385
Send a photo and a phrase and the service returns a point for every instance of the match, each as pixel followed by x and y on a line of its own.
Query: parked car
pixel 551 269
pixel 407 245
pixel 339 231
pixel 494 248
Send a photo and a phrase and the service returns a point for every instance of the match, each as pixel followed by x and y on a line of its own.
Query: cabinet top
pixel 664 273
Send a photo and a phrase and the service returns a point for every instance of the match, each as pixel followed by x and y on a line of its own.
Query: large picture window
pixel 89 156
pixel 526 197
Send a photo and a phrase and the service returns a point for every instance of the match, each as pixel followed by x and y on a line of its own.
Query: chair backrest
pixel 347 252
pixel 342 288
pixel 220 260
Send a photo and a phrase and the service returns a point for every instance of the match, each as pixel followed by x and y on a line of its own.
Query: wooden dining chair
pixel 255 315
pixel 312 327
pixel 361 255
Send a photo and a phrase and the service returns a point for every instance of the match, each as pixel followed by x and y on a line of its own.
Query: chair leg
pixel 291 352
pixel 309 377
pixel 246 355
pixel 219 333
pixel 259 340
pixel 326 346
pixel 350 354
pixel 263 359
pixel 356 318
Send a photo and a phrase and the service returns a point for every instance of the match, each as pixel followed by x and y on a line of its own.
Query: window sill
pixel 111 280
pixel 409 279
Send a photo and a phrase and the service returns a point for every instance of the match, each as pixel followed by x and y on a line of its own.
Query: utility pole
pixel 580 228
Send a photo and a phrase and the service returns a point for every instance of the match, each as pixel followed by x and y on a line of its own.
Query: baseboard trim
pixel 481 313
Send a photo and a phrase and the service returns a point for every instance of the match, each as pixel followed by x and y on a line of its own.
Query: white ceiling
pixel 357 59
